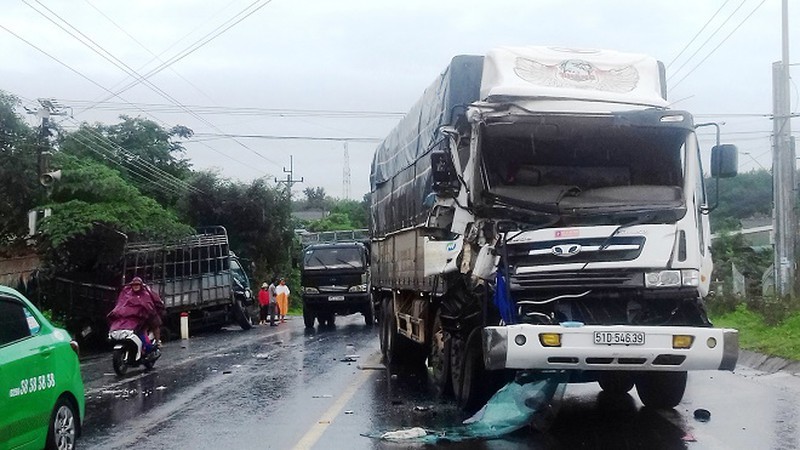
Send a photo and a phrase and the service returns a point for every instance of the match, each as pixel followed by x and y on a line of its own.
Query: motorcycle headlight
pixel 310 290
pixel 358 288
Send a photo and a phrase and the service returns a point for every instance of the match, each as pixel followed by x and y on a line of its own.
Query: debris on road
pixel 514 406
pixel 349 412
pixel 322 396
pixel 405 434
pixel 702 415
pixel 422 408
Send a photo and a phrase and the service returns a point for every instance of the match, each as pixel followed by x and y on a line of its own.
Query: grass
pixel 782 339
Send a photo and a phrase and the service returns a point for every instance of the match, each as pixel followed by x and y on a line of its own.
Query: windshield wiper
pixel 348 263
pixel 640 219
pixel 324 266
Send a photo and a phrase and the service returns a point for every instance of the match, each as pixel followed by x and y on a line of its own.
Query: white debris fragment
pixel 407 433
pixel 161 388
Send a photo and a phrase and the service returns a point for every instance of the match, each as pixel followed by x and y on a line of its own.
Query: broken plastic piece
pixel 405 434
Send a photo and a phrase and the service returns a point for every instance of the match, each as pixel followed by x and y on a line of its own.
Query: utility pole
pixel 290 180
pixel 784 215
pixel 346 173
pixel 46 109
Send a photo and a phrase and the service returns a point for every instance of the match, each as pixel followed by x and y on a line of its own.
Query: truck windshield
pixel 584 168
pixel 238 273
pixel 333 258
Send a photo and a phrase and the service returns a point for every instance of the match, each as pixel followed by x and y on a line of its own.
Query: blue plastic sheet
pixel 513 407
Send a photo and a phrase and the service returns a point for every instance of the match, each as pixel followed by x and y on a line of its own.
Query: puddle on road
pixel 516 405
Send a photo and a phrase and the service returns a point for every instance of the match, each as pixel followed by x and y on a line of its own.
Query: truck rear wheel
pixel 662 390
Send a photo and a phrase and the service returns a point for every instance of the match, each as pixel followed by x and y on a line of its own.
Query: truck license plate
pixel 619 337
pixel 336 298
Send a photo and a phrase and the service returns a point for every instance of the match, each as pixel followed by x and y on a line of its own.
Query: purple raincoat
pixel 136 310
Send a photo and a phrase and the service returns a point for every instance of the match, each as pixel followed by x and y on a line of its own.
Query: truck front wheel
pixel 241 316
pixel 615 382
pixel 308 317
pixel 662 390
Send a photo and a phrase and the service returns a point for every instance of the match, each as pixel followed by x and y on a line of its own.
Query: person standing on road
pixel 263 302
pixel 273 303
pixel 282 295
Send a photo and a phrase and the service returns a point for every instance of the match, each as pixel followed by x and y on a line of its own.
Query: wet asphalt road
pixel 288 388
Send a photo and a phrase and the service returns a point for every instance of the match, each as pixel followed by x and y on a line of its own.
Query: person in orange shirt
pixel 282 296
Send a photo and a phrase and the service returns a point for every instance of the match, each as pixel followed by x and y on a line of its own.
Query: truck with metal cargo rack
pixel 198 274
pixel 335 276
pixel 542 208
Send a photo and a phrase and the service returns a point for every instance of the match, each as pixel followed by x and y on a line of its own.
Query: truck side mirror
pixel 724 161
pixel 445 180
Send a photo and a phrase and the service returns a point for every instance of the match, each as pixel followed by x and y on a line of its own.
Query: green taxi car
pixel 41 390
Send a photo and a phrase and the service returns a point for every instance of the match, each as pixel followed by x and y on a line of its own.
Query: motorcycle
pixel 131 351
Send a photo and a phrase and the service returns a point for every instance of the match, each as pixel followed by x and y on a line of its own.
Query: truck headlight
pixel 248 293
pixel 672 278
pixel 358 288
pixel 310 290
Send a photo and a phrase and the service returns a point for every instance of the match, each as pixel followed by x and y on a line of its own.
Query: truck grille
pixel 578 279
pixel 620 248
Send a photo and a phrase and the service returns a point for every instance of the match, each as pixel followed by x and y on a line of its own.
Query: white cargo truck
pixel 543 208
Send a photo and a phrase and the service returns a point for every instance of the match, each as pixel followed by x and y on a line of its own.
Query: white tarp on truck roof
pixel 575 74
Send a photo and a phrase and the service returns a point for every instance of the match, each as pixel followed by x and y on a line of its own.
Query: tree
pixel 745 195
pixel 92 200
pixel 316 198
pixel 256 215
pixel 19 187
pixel 141 150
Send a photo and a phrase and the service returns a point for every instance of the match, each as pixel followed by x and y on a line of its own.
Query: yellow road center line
pixel 315 432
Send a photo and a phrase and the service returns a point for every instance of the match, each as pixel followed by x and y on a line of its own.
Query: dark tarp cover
pixel 400 179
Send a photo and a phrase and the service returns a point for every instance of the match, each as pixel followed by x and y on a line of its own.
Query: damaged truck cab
pixel 543 209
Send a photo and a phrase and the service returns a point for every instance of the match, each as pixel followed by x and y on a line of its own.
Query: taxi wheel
pixel 63 428
pixel 120 365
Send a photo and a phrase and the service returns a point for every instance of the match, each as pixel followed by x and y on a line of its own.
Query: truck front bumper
pixel 340 303
pixel 523 346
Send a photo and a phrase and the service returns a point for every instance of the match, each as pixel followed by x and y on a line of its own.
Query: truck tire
pixel 241 316
pixel 308 318
pixel 369 315
pixel 661 390
pixel 439 358
pixel 469 383
pixel 615 382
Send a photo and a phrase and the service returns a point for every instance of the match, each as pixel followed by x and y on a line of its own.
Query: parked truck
pixel 335 276
pixel 542 208
pixel 198 275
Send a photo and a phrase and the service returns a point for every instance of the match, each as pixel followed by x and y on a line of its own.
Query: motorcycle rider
pixel 138 308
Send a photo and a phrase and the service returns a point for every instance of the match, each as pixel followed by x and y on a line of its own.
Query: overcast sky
pixel 372 57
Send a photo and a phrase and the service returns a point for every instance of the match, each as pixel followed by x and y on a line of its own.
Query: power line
pixel 696 35
pixel 75 71
pixel 155 57
pixel 289 138
pixel 720 44
pixel 730 16
pixel 108 145
pixel 197 44
pixel 108 56
pixel 115 159
pixel 243 110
